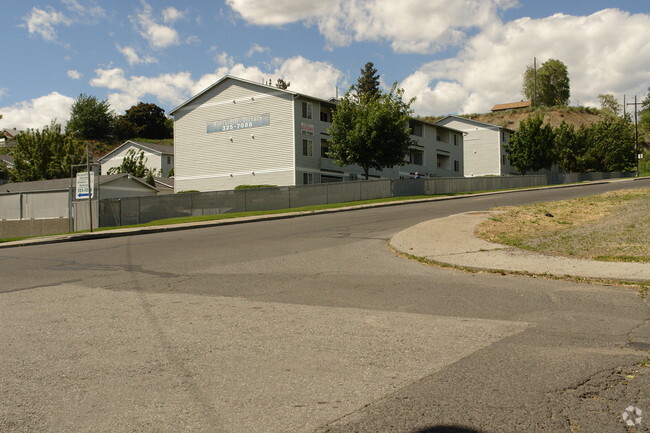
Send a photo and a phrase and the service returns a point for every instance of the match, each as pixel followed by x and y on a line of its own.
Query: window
pixel 324 148
pixel 416 128
pixel 455 140
pixel 354 176
pixel 416 157
pixel 456 165
pixel 307 148
pixel 306 110
pixel 169 160
pixel 503 160
pixel 325 117
pixel 307 178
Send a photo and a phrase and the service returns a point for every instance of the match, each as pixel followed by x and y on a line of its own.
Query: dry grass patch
pixel 611 227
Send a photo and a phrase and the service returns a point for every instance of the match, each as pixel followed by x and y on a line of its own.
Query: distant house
pixel 512 106
pixel 8 137
pixel 484 146
pixel 158 157
pixel 8 161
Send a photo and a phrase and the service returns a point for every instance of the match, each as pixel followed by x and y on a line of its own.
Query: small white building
pixel 238 132
pixel 483 146
pixel 159 157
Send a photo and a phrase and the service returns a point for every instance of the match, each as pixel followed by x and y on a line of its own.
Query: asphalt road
pixel 308 324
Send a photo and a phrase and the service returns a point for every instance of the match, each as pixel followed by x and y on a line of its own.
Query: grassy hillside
pixel 510 119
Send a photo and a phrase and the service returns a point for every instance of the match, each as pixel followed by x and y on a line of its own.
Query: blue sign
pixel 239 123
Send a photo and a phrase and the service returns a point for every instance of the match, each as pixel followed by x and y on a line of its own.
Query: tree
pixel 135 164
pixel 609 104
pixel 611 145
pixel 368 82
pixel 371 132
pixel 549 85
pixel 644 118
pixel 531 147
pixel 281 84
pixel 570 148
pixel 90 118
pixel 148 120
pixel 46 154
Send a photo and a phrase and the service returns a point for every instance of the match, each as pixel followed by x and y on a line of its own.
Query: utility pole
pixel 636 133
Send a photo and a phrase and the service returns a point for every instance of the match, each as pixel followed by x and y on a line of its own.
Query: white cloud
pixel 172 14
pixel 413 26
pixel 489 69
pixel 43 22
pixel 75 75
pixel 224 59
pixel 256 49
pixel 132 56
pixel 313 78
pixel 37 113
pixel 90 13
pixel 158 35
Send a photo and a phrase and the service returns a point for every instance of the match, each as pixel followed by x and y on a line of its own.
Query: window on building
pixel 330 179
pixel 324 148
pixel 416 157
pixel 307 148
pixel 456 165
pixel 456 140
pixel 306 110
pixel 503 160
pixel 354 176
pixel 325 117
pixel 307 178
pixel 169 160
pixel 416 128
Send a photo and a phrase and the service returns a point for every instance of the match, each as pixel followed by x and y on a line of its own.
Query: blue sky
pixel 454 57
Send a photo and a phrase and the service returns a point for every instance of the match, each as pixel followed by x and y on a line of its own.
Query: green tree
pixel 46 154
pixel 123 129
pixel 570 148
pixel 531 148
pixel 90 118
pixel 644 119
pixel 549 85
pixel 608 103
pixel 148 120
pixel 135 164
pixel 367 86
pixel 371 132
pixel 281 84
pixel 611 145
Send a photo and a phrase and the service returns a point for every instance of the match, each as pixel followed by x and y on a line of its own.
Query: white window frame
pixel 307 147
pixel 307 110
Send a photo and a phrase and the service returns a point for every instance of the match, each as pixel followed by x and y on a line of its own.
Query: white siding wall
pixel 437 144
pixel 223 160
pixel 483 149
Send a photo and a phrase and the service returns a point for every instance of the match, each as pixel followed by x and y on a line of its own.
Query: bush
pixel 255 186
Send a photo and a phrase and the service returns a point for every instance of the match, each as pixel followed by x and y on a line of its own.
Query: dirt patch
pixel 611 227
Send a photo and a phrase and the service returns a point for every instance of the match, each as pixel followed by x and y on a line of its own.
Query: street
pixel 306 324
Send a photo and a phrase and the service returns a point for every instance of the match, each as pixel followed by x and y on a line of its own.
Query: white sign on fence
pixel 83 189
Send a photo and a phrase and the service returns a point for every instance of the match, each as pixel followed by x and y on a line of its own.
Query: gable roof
pixel 7 159
pixel 331 101
pixel 10 132
pixel 159 149
pixel 511 106
pixel 62 184
pixel 475 122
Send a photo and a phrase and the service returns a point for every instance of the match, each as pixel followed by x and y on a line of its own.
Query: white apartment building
pixel 483 146
pixel 238 132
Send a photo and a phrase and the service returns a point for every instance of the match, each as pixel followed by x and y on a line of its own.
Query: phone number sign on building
pixel 239 123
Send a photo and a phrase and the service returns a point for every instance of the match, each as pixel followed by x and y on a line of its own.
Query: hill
pixel 578 116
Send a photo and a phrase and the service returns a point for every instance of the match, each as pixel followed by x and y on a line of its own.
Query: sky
pixel 454 57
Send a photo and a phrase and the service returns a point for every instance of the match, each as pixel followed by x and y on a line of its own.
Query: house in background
pixel 483 146
pixel 8 161
pixel 512 106
pixel 8 137
pixel 158 157
pixel 239 132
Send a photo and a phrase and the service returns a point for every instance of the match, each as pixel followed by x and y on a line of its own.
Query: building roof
pixel 10 132
pixel 511 106
pixel 159 149
pixel 60 184
pixel 7 159
pixel 473 122
pixel 332 101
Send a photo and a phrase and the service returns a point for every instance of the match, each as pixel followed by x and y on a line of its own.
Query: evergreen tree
pixel 367 86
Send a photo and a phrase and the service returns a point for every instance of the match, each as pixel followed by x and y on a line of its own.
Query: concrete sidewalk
pixel 451 241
